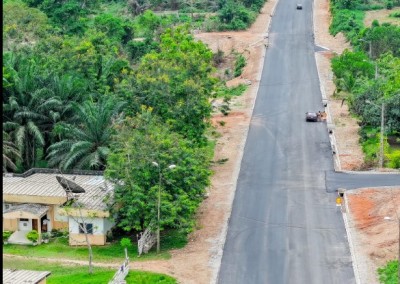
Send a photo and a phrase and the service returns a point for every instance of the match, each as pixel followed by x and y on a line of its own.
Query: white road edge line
pixel 350 240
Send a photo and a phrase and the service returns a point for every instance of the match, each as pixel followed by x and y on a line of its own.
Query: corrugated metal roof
pixel 36 209
pixel 12 276
pixel 46 185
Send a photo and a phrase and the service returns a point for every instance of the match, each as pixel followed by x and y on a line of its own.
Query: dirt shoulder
pixel 373 224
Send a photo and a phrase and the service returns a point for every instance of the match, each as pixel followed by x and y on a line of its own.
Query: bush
pixel 346 21
pixel 389 4
pixel 395 14
pixel 239 64
pixel 218 57
pixel 56 233
pixel 125 243
pixel 6 235
pixel 46 236
pixel 394 159
pixel 33 236
pixel 388 274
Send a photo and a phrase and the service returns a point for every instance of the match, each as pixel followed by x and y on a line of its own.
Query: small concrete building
pixel 14 276
pixel 36 200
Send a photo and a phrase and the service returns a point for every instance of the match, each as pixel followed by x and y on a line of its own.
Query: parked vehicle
pixel 316 116
pixel 311 116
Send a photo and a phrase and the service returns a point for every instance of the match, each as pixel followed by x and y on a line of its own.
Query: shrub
pixel 388 273
pixel 218 57
pixel 46 236
pixel 239 64
pixel 33 236
pixel 125 243
pixel 389 4
pixel 6 235
pixel 394 159
pixel 395 14
pixel 56 233
pixel 350 22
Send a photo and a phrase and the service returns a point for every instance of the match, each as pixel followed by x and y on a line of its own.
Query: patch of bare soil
pixel 373 218
pixel 382 16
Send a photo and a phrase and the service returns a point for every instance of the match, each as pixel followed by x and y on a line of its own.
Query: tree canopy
pixel 138 165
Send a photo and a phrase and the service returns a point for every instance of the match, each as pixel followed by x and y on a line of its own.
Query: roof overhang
pixel 29 211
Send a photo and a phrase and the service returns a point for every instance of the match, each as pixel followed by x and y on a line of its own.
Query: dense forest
pixel 122 87
pixel 368 77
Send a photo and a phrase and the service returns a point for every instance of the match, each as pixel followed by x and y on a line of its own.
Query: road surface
pixel 284 226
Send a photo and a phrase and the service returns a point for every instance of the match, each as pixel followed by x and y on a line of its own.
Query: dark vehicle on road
pixel 311 116
pixel 299 7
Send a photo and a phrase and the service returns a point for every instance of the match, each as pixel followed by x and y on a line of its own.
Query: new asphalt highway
pixel 284 226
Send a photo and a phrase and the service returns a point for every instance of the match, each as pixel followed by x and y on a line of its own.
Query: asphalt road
pixel 284 226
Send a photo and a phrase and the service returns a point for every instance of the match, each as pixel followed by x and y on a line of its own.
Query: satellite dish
pixel 69 185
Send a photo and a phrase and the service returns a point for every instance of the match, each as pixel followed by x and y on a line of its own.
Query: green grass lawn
pixel 66 274
pixel 59 248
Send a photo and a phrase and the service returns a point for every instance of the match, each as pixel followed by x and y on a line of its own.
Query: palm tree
pixel 29 104
pixel 10 153
pixel 85 143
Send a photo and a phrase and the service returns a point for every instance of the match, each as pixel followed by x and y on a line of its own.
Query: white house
pixel 36 200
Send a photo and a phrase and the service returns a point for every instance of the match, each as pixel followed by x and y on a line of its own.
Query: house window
pixel 24 220
pixel 89 228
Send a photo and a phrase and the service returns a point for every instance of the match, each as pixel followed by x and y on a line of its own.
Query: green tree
pixel 235 16
pixel 140 142
pixel 114 27
pixel 10 153
pixel 177 83
pixel 28 105
pixel 22 25
pixel 70 15
pixel 383 38
pixel 85 143
pixel 353 63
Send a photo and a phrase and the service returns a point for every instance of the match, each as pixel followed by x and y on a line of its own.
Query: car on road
pixel 299 7
pixel 311 116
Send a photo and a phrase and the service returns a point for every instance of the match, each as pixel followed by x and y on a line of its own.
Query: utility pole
pixel 382 133
pixel 158 210
pixel 159 202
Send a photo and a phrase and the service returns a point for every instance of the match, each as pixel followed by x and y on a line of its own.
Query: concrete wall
pixel 10 225
pixel 58 221
pixel 80 240
pixel 100 228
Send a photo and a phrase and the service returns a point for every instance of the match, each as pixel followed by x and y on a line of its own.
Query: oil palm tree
pixel 28 106
pixel 85 143
pixel 10 153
